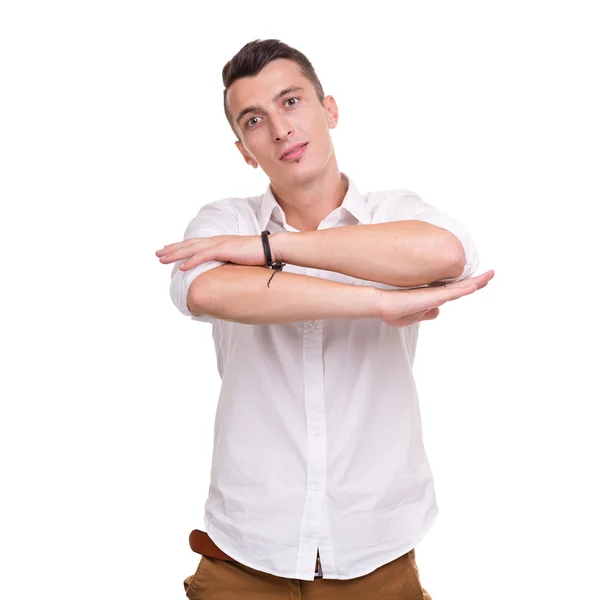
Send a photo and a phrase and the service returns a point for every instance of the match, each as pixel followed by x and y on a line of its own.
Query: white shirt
pixel 317 437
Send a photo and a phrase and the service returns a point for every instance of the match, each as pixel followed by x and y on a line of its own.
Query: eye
pixel 297 99
pixel 249 120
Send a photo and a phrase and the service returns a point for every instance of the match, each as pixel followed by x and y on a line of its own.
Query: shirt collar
pixel 354 203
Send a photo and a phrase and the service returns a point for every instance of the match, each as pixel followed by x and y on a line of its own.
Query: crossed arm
pixel 397 253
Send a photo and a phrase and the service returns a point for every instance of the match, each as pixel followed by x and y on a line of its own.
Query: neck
pixel 306 205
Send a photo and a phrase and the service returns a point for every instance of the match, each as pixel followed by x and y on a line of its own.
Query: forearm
pixel 239 293
pixel 398 253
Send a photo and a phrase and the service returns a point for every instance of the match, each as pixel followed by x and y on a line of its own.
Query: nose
pixel 280 129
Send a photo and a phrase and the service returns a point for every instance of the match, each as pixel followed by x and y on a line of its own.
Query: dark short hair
pixel 255 55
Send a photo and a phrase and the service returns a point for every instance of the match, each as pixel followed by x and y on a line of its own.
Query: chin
pixel 293 173
pixel 305 175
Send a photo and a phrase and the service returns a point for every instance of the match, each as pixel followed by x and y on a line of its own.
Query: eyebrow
pixel 287 90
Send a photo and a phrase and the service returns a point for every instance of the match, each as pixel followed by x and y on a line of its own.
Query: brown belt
pixel 201 543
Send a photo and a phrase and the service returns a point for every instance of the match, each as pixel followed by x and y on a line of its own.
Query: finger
pixel 185 252
pixel 457 292
pixel 429 316
pixel 175 256
pixel 195 260
pixel 405 320
pixel 434 297
pixel 413 318
pixel 400 303
pixel 483 279
pixel 183 244
pixel 478 280
pixel 172 247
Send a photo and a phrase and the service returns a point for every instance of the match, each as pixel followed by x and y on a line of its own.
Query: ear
pixel 245 154
pixel 331 108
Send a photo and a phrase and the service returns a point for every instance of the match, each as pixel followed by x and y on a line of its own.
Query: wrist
pixel 377 299
pixel 277 243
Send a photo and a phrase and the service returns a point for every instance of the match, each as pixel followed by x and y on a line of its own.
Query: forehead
pixel 260 88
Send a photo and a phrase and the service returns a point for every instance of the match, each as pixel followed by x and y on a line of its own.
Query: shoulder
pixel 392 202
pixel 235 205
pixel 231 208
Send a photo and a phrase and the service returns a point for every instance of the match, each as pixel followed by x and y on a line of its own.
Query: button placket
pixel 313 515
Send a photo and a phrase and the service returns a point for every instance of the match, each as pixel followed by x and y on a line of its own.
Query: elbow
pixel 195 301
pixel 454 258
pixel 193 306
pixel 457 267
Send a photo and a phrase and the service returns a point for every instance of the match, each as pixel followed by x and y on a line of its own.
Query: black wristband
pixel 272 265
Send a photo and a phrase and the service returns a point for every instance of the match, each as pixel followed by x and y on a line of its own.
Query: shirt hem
pixel 390 557
pixel 222 543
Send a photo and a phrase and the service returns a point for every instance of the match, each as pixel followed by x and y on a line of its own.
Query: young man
pixel 320 484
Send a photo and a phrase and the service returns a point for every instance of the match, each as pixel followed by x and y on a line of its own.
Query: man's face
pixel 276 122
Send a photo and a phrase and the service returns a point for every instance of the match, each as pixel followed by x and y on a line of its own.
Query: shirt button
pixel 315 431
pixel 313 323
pixel 316 487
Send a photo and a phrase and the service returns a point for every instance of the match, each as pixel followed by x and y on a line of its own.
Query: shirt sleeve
pixel 411 207
pixel 212 219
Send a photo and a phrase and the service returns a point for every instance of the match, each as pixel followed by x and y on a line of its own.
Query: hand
pixel 239 249
pixel 400 308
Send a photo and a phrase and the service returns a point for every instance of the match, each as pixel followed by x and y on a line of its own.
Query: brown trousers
pixel 217 579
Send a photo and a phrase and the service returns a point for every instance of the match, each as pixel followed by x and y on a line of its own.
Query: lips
pixel 291 150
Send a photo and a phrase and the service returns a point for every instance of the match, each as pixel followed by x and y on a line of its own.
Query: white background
pixel 113 136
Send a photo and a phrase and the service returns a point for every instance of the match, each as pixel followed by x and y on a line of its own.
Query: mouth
pixel 294 152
